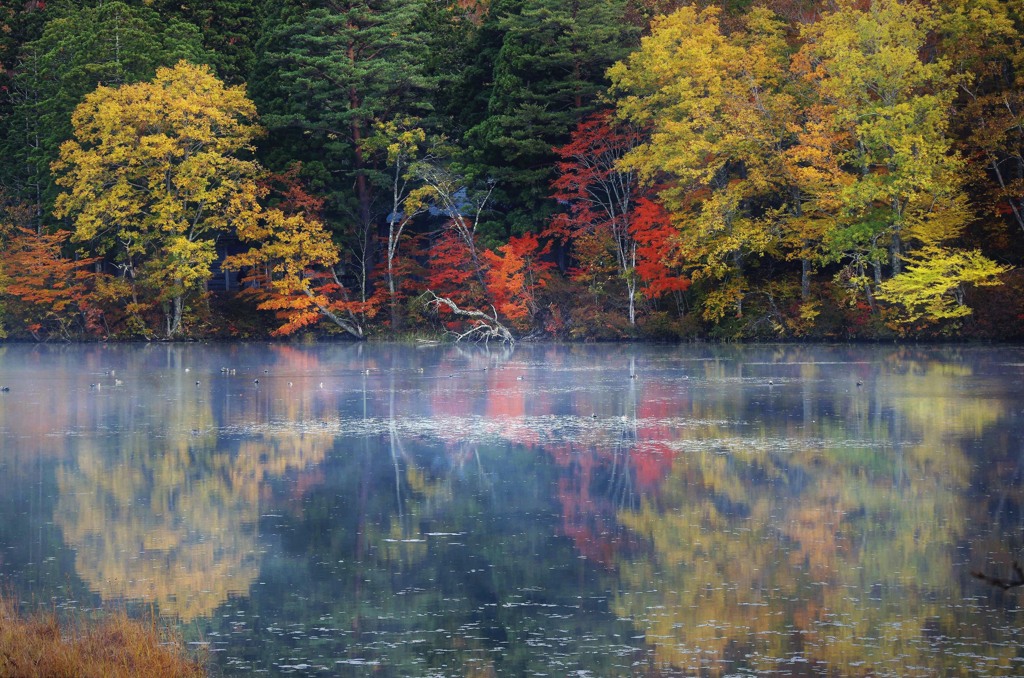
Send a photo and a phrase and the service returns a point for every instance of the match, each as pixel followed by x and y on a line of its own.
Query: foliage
pixel 716 106
pixel 452 271
pixel 81 47
pixel 291 258
pixel 934 284
pixel 327 74
pixel 546 69
pixel 784 169
pixel 229 30
pixel 890 104
pixel 401 142
pixel 55 293
pixel 982 40
pixel 609 215
pixel 461 202
pixel 153 176
pixel 516 275
pixel 294 275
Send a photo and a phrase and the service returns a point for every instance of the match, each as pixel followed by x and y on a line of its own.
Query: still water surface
pixel 447 511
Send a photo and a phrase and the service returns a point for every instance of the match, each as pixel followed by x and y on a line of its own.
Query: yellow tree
pixel 890 106
pixel 152 176
pixel 816 179
pixel 932 287
pixel 902 199
pixel 716 104
pixel 402 142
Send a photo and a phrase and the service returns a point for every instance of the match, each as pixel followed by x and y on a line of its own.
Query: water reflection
pixel 452 511
pixel 167 526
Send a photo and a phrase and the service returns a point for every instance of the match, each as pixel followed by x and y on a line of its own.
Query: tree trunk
pixel 1014 207
pixel 895 254
pixel 631 290
pixel 174 317
pixel 363 190
pixel 867 288
pixel 805 279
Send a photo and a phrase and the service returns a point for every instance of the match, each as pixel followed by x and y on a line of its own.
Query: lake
pixel 396 510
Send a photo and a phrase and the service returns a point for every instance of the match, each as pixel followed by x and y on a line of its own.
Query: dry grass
pixel 114 646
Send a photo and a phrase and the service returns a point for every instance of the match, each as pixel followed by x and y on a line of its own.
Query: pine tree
pixel 80 48
pixel 546 75
pixel 326 74
pixel 229 28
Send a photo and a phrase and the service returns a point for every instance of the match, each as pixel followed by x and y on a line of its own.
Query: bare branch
pixel 1004 584
pixel 484 328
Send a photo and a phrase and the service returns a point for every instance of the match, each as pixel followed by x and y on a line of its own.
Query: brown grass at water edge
pixel 114 646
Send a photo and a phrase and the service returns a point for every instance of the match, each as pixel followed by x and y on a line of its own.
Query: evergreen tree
pixel 326 73
pixel 79 49
pixel 454 62
pixel 19 24
pixel 230 30
pixel 547 74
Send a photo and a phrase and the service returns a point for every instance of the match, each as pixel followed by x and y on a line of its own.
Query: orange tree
pixel 49 295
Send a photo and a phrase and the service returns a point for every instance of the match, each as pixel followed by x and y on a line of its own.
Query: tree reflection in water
pixel 451 511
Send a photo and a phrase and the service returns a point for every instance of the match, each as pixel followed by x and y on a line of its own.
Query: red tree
pixel 452 272
pixel 657 243
pixel 610 213
pixel 515 274
pixel 294 199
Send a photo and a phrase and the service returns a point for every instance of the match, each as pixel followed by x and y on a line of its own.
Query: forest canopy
pixel 597 170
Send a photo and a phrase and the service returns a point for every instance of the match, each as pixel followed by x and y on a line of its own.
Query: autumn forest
pixel 503 169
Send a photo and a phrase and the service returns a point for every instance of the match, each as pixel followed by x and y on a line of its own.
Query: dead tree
pixel 483 327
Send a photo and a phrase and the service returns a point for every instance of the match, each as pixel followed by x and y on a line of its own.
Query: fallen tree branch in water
pixel 484 328
pixel 1004 584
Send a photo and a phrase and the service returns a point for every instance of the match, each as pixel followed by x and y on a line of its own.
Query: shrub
pixel 114 646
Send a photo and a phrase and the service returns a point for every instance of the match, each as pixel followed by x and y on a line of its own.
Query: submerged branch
pixel 1004 584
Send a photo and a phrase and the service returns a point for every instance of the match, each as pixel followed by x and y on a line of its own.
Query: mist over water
pixel 353 509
